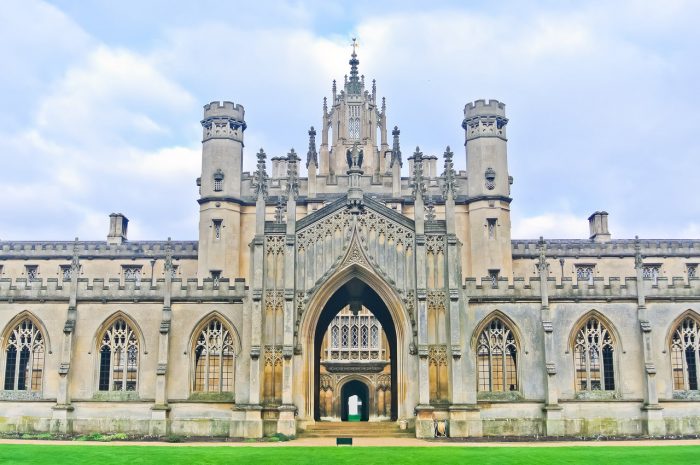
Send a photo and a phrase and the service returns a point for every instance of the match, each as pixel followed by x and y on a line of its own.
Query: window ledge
pixel 686 395
pixel 509 396
pixel 20 395
pixel 211 396
pixel 598 395
pixel 116 395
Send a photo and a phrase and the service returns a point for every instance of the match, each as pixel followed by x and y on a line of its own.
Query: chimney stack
pixel 598 224
pixel 118 224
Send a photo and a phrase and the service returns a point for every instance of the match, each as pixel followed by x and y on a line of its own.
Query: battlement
pixel 115 289
pixel 484 108
pixel 614 248
pixel 95 249
pixel 610 289
pixel 224 109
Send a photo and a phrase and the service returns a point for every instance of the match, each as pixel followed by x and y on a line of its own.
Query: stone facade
pixel 481 334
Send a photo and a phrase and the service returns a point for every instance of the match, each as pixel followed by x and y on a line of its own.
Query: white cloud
pixel 550 225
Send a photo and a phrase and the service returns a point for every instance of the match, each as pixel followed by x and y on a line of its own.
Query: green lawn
pixel 104 455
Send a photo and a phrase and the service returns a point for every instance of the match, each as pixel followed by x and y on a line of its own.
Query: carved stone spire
pixel 374 89
pixel 168 258
pixel 311 155
pixel 292 175
pixel 325 106
pixel 279 210
pixel 542 265
pixel 417 181
pixel 638 259
pixel 260 176
pixel 396 150
pixel 450 186
pixel 75 261
pixel 430 210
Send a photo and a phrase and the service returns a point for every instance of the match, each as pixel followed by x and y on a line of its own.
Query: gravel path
pixel 371 442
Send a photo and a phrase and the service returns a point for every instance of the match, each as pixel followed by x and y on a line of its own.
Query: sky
pixel 100 102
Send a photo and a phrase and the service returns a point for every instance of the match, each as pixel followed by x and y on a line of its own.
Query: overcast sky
pixel 100 102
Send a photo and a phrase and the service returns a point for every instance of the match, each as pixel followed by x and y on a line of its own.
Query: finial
pixel 396 150
pixel 311 155
pixel 542 265
pixel 292 175
pixel 450 184
pixel 325 106
pixel 354 46
pixel 168 258
pixel 374 88
pixel 260 176
pixel 418 184
pixel 383 105
pixel 75 261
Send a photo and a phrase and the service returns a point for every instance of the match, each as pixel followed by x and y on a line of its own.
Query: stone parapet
pixel 615 248
pixel 95 249
pixel 613 288
pixel 114 289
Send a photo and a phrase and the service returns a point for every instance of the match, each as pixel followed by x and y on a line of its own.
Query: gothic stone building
pixel 406 292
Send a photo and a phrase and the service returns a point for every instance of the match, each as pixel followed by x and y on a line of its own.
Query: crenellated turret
pixel 220 190
pixel 488 188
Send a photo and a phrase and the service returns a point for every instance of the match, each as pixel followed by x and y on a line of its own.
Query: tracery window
pixel 584 273
pixel 344 330
pixel 685 355
pixel 364 336
pixel 593 357
pixel 334 337
pixel 354 336
pixel 375 336
pixel 354 122
pixel 214 357
pixel 132 272
pixel 32 271
pixel 692 269
pixel 24 358
pixel 497 358
pixel 119 358
pixel 651 272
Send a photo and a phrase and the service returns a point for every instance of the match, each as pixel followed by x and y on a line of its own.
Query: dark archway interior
pixel 355 290
pixel 351 388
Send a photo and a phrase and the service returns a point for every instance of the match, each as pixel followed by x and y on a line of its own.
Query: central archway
pixel 348 284
pixel 357 291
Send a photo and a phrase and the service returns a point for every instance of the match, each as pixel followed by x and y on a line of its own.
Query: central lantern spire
pixel 354 120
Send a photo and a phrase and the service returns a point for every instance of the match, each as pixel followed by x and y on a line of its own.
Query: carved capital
pixel 645 326
pixel 257 295
pixel 548 326
pixel 551 368
pixel 161 369
pixel 69 326
pixel 287 352
pixel 165 327
pixel 650 368
pixel 255 352
pixel 63 368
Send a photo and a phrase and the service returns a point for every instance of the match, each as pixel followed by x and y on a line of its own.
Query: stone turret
pixel 488 189
pixel 220 191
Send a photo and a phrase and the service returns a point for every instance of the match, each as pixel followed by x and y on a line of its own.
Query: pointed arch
pixel 683 344
pixel 595 344
pixel 395 316
pixel 24 345
pixel 496 343
pixel 214 347
pixel 118 343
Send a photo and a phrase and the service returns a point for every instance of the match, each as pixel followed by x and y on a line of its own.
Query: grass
pixel 134 455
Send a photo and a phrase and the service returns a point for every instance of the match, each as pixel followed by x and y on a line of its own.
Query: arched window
pixel 364 336
pixel 353 337
pixel 685 355
pixel 593 357
pixel 334 337
pixel 344 336
pixel 497 358
pixel 24 362
pixel 119 358
pixel 214 356
pixel 375 336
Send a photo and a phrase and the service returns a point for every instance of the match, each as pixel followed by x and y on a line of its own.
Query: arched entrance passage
pixel 350 389
pixel 357 292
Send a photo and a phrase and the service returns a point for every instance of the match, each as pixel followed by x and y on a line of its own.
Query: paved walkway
pixel 370 442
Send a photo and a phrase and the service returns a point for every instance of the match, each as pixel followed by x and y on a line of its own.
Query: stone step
pixel 326 429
